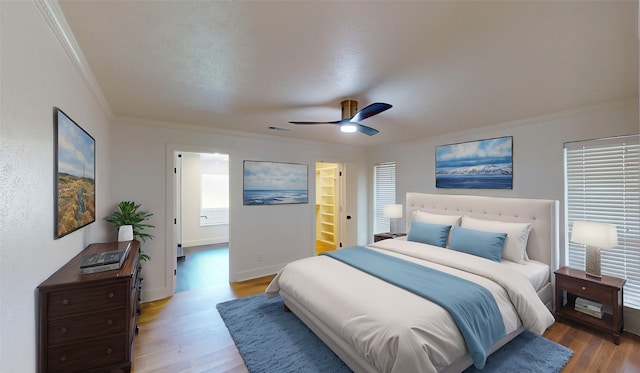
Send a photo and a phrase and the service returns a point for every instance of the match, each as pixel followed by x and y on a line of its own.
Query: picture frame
pixel 480 164
pixel 275 183
pixel 75 170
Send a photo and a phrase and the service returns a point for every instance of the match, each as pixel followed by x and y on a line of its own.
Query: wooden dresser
pixel 88 321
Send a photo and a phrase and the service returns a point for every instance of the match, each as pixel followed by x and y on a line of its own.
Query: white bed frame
pixel 542 246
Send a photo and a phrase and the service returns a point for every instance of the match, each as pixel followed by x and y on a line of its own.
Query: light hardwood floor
pixel 185 333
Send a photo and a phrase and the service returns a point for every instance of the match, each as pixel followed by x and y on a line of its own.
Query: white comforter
pixel 395 330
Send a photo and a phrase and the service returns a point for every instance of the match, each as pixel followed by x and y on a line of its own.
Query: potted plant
pixel 128 214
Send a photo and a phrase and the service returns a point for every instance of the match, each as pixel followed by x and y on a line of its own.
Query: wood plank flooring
pixel 185 333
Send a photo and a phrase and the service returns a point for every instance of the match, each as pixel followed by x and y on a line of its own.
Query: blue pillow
pixel 432 234
pixel 479 243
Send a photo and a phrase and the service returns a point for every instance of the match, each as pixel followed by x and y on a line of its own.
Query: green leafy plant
pixel 128 214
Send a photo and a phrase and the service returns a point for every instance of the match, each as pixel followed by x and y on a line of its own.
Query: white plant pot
pixel 125 233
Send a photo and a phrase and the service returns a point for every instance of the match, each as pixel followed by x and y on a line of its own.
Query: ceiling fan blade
pixel 334 122
pixel 366 130
pixel 371 110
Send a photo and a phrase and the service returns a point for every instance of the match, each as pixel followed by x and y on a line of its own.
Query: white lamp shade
pixel 601 235
pixel 393 211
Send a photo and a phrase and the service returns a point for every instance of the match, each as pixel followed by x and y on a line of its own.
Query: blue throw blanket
pixel 473 307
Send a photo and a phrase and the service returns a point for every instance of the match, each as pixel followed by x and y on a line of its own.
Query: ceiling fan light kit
pixel 351 117
pixel 348 127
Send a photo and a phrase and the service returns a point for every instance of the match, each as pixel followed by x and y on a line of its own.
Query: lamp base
pixel 592 262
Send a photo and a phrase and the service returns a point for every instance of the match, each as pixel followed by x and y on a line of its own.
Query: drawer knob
pixel 109 322
pixel 63 358
pixel 63 330
pixel 111 295
pixel 65 301
pixel 584 288
pixel 109 351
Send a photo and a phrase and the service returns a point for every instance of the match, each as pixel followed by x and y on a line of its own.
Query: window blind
pixel 384 185
pixel 602 182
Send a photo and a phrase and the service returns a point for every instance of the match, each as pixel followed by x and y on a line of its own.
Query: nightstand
pixel 572 283
pixel 384 236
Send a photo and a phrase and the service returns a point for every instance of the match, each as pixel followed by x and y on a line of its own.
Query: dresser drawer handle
pixel 63 330
pixel 584 288
pixel 63 358
pixel 109 351
pixel 111 295
pixel 65 301
pixel 109 322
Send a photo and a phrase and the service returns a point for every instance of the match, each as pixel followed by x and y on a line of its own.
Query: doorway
pixel 202 220
pixel 328 206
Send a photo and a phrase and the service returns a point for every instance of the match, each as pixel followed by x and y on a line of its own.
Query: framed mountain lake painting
pixel 481 164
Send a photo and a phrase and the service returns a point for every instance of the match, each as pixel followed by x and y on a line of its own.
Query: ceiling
pixel 444 66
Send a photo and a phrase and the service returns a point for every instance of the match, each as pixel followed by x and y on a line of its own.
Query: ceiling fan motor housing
pixel 349 108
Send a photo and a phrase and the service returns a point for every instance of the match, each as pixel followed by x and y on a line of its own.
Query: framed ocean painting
pixel 275 183
pixel 482 164
pixel 75 176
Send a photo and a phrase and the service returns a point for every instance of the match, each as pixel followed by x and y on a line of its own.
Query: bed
pixel 376 326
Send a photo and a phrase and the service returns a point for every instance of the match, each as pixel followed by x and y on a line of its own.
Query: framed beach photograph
pixel 275 183
pixel 75 164
pixel 482 164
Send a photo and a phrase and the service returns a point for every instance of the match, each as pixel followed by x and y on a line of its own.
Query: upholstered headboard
pixel 543 243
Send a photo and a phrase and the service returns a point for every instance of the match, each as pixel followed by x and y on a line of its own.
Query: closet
pixel 326 206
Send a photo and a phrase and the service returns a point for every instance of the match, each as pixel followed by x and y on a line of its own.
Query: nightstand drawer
pixel 585 290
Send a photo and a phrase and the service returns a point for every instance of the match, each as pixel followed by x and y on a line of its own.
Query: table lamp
pixel 595 236
pixel 393 212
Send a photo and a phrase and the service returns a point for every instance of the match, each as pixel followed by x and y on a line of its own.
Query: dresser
pixel 87 322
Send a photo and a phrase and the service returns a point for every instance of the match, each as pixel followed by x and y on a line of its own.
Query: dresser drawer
pixel 86 326
pixel 62 303
pixel 83 356
pixel 589 291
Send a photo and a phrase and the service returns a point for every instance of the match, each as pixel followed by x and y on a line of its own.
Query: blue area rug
pixel 272 340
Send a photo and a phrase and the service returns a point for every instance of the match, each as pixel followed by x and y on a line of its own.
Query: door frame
pixel 341 201
pixel 171 197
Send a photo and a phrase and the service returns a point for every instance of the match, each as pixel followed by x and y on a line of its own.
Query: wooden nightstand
pixel 384 236
pixel 572 283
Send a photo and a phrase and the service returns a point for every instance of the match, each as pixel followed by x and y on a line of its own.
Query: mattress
pixel 536 272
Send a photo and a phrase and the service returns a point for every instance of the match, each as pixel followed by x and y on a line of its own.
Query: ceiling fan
pixel 351 116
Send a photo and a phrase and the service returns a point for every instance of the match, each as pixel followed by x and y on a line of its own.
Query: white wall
pixel 538 155
pixel 193 234
pixel 280 233
pixel 36 76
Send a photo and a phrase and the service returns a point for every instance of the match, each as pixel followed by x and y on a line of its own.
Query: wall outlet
pixel 260 258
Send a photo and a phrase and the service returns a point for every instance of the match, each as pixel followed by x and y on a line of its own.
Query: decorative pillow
pixel 426 217
pixel 432 234
pixel 515 247
pixel 484 244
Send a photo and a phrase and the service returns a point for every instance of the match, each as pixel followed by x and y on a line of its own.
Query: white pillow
pixel 425 217
pixel 515 246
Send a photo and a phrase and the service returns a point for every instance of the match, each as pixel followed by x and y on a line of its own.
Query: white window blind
pixel 602 185
pixel 384 184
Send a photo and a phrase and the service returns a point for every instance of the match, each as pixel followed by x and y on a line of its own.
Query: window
pixel 384 193
pixel 602 185
pixel 214 199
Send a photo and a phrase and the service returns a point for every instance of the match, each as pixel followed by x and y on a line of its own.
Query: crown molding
pixel 54 17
